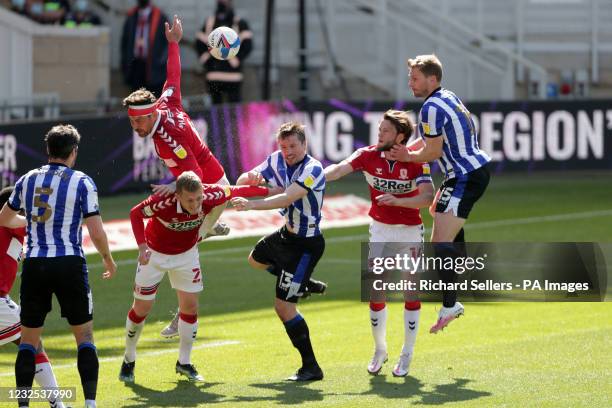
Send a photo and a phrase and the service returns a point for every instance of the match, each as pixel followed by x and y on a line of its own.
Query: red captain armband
pixel 249 191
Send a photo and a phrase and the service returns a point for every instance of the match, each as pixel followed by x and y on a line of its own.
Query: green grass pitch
pixel 498 354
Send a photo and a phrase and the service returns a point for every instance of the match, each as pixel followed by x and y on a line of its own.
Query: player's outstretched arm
pixel 250 178
pixel 423 199
pixel 100 241
pixel 337 171
pixel 293 193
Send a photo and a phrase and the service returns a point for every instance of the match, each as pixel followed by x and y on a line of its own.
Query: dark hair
pixel 291 128
pixel 139 97
pixel 428 65
pixel 61 141
pixel 5 193
pixel 401 122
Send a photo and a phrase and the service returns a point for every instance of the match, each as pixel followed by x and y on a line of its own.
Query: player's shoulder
pixel 275 157
pixel 312 162
pixel 156 203
pixel 364 152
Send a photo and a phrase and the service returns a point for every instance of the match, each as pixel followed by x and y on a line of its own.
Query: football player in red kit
pixel 177 143
pixel 168 244
pixel 397 190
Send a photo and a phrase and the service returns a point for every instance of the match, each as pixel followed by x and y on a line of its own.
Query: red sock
pixel 377 306
pixel 415 305
pixel 134 317
pixel 41 358
pixel 187 318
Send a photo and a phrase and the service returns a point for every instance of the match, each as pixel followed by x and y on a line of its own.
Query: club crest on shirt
pixel 379 171
pixel 403 174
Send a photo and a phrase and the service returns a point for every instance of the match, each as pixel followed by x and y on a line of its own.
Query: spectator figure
pixel 81 16
pixel 19 7
pixel 224 77
pixel 48 11
pixel 144 48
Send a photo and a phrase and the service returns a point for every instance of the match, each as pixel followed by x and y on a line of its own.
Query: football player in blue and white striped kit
pixel 292 252
pixel 57 200
pixel 447 135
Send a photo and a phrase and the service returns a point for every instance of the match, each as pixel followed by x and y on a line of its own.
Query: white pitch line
pixel 475 225
pixel 140 355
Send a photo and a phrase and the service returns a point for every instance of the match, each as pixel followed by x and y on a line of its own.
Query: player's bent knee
pixel 255 264
pixel 285 310
pixel 142 307
pixel 83 333
pixel 188 302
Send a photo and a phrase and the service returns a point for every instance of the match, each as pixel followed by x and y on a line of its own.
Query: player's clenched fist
pixel 254 178
pixel 144 254
pixel 241 204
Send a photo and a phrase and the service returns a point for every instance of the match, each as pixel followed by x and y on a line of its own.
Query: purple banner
pixel 519 136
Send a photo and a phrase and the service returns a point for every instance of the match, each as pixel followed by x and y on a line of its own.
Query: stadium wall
pixel 519 136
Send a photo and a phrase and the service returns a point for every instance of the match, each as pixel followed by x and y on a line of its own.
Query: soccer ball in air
pixel 223 43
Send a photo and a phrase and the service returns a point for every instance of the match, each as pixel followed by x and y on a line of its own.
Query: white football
pixel 223 43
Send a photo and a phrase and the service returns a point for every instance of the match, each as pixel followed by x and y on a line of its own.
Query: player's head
pixel 395 128
pixel 142 111
pixel 63 144
pixel 189 192
pixel 291 138
pixel 5 193
pixel 425 74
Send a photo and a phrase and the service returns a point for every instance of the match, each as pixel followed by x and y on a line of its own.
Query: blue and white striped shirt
pixel 304 215
pixel 443 114
pixel 55 199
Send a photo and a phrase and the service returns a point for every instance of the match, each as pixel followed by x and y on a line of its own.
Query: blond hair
pixel 139 97
pixel 188 181
pixel 428 65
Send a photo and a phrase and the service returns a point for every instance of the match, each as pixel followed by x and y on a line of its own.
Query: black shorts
pixel 296 256
pixel 459 194
pixel 66 276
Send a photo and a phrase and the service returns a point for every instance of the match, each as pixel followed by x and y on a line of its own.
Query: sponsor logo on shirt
pixel 390 185
pixel 180 152
pixel 181 226
pixel 309 182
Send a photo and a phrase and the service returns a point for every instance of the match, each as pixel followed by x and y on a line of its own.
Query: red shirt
pixel 172 230
pixel 388 176
pixel 176 140
pixel 11 243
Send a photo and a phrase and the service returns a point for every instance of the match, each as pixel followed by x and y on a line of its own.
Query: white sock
pixel 44 377
pixel 90 403
pixel 187 334
pixel 132 333
pixel 378 321
pixel 411 327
